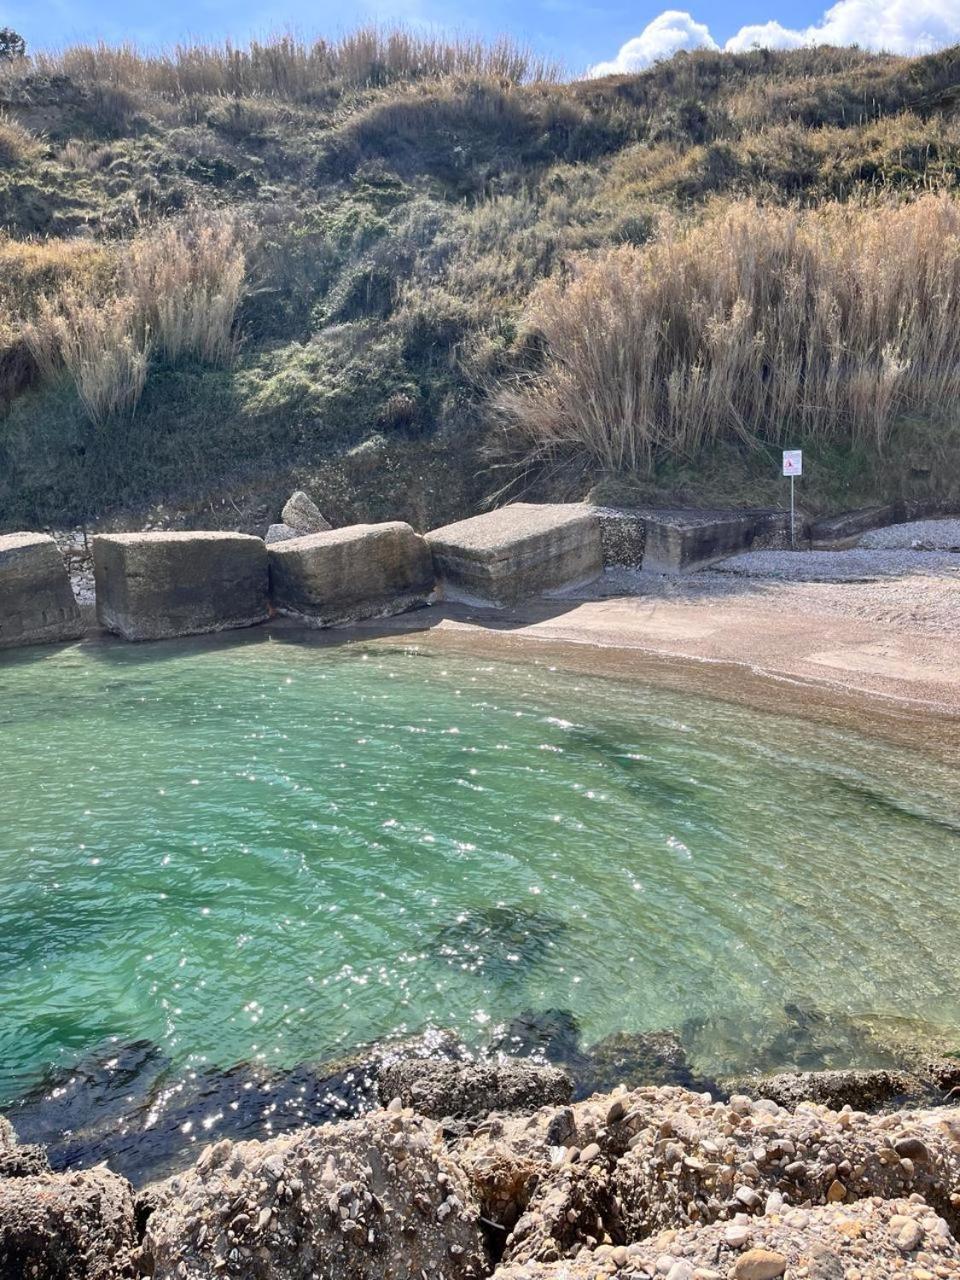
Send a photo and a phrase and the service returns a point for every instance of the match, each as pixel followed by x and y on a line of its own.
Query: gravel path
pixel 856 565
pixel 918 535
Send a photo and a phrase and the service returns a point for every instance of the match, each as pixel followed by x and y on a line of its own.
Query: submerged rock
pixel 77 1226
pixel 372 1199
pixel 439 1088
pixel 503 942
pixel 302 515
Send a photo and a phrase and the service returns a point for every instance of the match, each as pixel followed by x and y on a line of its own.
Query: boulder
pixel 376 1198
pixel 36 600
pixel 438 1088
pixel 344 575
pixel 280 533
pixel 518 551
pixel 152 586
pixel 67 1226
pixel 302 515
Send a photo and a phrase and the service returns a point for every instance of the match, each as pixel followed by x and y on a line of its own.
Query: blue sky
pixel 580 33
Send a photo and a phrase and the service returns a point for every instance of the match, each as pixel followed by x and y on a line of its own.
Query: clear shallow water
pixel 258 850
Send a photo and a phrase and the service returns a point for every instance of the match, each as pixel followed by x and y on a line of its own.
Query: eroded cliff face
pixel 654 1181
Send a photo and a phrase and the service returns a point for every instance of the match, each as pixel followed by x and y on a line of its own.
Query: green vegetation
pixel 409 274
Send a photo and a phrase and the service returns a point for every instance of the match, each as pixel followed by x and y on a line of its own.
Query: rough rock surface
pixel 874 1239
pixel 376 1198
pixel 518 551
pixel 302 515
pixel 280 533
pixel 437 1088
pixel 865 1090
pixel 36 601
pixel 67 1226
pixel 361 571
pixel 615 1169
pixel 151 586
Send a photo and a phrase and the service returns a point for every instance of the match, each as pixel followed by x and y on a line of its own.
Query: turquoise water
pixel 259 850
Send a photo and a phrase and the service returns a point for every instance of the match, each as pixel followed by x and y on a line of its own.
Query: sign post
pixel 792 467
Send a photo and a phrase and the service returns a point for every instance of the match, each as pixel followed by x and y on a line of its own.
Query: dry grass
pixel 290 68
pixel 17 144
pixel 102 346
pixel 186 280
pixel 756 324
pixel 171 292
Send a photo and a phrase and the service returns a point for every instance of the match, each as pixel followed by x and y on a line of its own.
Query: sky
pixel 599 35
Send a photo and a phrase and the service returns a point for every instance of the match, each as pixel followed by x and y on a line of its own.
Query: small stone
pixel 909 1237
pixel 912 1149
pixel 747 1197
pixel 589 1153
pixel 836 1192
pixel 280 533
pixel 759 1264
pixel 737 1236
pixel 395 1104
pixel 616 1112
pixel 680 1271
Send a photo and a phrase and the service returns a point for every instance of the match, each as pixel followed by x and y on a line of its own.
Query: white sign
pixel 793 462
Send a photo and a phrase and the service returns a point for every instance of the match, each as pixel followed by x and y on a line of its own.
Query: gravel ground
pixel 856 565
pixel 918 535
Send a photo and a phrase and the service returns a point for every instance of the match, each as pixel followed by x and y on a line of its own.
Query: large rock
pixel 302 515
pixel 362 571
pixel 36 601
pixel 67 1226
pixel 864 1090
pixel 376 1198
pixel 151 586
pixel 518 551
pixel 437 1088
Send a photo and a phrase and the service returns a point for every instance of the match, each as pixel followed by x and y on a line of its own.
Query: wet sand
pixel 881 658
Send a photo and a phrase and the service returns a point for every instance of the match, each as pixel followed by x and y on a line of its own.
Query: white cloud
pixel 895 26
pixel 662 38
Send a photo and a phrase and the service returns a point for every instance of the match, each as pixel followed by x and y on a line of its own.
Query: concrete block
pixel 36 601
pixel 680 541
pixel 345 575
pixel 518 551
pixel 152 586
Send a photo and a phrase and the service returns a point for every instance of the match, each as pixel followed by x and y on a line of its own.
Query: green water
pixel 259 849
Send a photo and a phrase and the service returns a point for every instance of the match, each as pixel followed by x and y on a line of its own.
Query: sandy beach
pixel 881 655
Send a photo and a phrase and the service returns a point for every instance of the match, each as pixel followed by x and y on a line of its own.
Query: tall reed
pixel 761 324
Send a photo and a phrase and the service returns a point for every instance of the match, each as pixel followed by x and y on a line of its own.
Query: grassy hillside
pixel 407 274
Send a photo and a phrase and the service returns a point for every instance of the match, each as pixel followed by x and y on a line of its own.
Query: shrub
pixel 16 143
pixel 12 44
pixel 757 324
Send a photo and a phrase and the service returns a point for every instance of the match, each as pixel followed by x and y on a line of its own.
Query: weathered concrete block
pixel 683 540
pixel 518 551
pixel 151 586
pixel 344 575
pixel 844 529
pixel 36 600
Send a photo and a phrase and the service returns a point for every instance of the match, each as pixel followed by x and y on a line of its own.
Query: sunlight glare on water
pixel 252 849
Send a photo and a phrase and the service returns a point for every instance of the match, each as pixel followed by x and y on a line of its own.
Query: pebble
pixel 759 1264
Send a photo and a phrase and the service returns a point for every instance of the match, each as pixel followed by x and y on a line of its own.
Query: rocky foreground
pixel 657 1181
